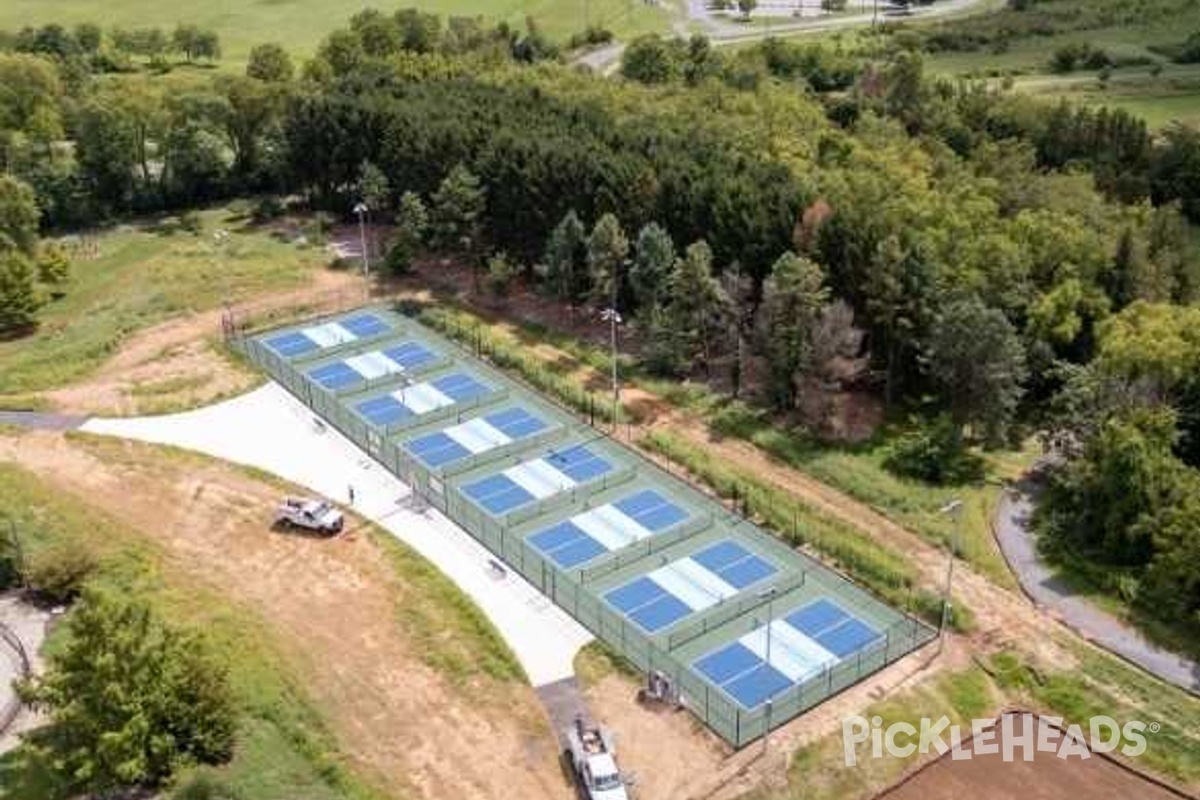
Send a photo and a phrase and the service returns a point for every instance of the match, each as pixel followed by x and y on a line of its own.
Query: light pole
pixel 361 209
pixel 769 594
pixel 613 318
pixel 220 238
pixel 954 509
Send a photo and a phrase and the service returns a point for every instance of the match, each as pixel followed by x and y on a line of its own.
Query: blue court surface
pixel 828 634
pixel 585 536
pixel 338 375
pixel 446 390
pixel 371 365
pixel 290 345
pixel 454 444
pixel 553 473
pixel 365 326
pixel 689 585
pixel 298 343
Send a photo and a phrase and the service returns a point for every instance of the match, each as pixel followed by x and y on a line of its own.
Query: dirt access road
pixel 334 606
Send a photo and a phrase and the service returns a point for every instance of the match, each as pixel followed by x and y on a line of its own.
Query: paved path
pixel 1040 583
pixel 722 31
pixel 271 430
pixel 28 625
pixel 42 420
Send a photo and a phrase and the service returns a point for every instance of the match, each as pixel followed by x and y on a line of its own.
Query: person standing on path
pixel 351 487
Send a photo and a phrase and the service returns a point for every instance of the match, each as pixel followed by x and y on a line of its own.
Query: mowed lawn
pixel 145 275
pixel 300 25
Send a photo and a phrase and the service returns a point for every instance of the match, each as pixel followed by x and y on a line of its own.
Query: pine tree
pixel 699 308
pixel 793 296
pixel 607 249
pixel 563 264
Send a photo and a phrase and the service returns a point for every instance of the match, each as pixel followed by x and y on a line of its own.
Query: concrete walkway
pixel 1046 589
pixel 271 430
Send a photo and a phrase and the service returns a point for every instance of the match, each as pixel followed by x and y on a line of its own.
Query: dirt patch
pixel 669 753
pixel 1046 777
pixel 179 364
pixel 334 606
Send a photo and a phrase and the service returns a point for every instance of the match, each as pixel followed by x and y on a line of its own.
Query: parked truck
pixel 313 515
pixel 593 758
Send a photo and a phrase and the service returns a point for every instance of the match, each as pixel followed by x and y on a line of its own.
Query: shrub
pixel 191 222
pixel 267 208
pixel 934 453
pixel 205 785
pixel 58 573
pixel 500 274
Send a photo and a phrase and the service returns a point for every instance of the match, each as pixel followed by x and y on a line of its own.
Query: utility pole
pixel 770 592
pixel 954 509
pixel 360 209
pixel 220 239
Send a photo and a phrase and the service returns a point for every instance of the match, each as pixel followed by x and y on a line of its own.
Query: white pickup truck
pixel 593 756
pixel 313 515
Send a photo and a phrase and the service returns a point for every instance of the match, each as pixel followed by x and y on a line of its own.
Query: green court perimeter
pixel 750 632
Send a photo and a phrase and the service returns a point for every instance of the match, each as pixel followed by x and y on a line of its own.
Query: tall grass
pixel 860 473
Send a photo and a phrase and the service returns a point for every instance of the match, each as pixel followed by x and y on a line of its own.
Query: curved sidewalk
pixel 1046 589
pixel 270 430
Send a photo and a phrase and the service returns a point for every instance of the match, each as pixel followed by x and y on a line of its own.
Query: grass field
pixel 300 25
pixel 284 750
pixel 143 276
pixel 1172 95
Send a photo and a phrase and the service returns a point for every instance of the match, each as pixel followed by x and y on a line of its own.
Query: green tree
pixel 1154 342
pixel 564 262
pixel 270 63
pixel 1171 586
pixel 53 265
pixel 89 36
pixel 458 206
pixel 249 116
pixel 607 249
pixel 457 216
pixel 698 311
pixel 653 258
pixel 977 358
pixel 19 216
pixel 379 34
pixel 195 42
pixel 412 221
pixel 19 299
pixel 130 699
pixel 501 272
pixel 793 296
pixel 650 59
pixel 30 93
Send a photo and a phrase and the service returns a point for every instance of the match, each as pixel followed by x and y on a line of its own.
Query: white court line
pixel 423 398
pixel 591 523
pixel 329 335
pixel 622 522
pixel 478 436
pixel 539 478
pixel 695 597
pixel 699 574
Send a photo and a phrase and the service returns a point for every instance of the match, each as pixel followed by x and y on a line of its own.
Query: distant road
pixel 1047 589
pixel 721 31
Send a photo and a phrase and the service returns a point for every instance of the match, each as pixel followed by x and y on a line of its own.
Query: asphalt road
pixel 1047 590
